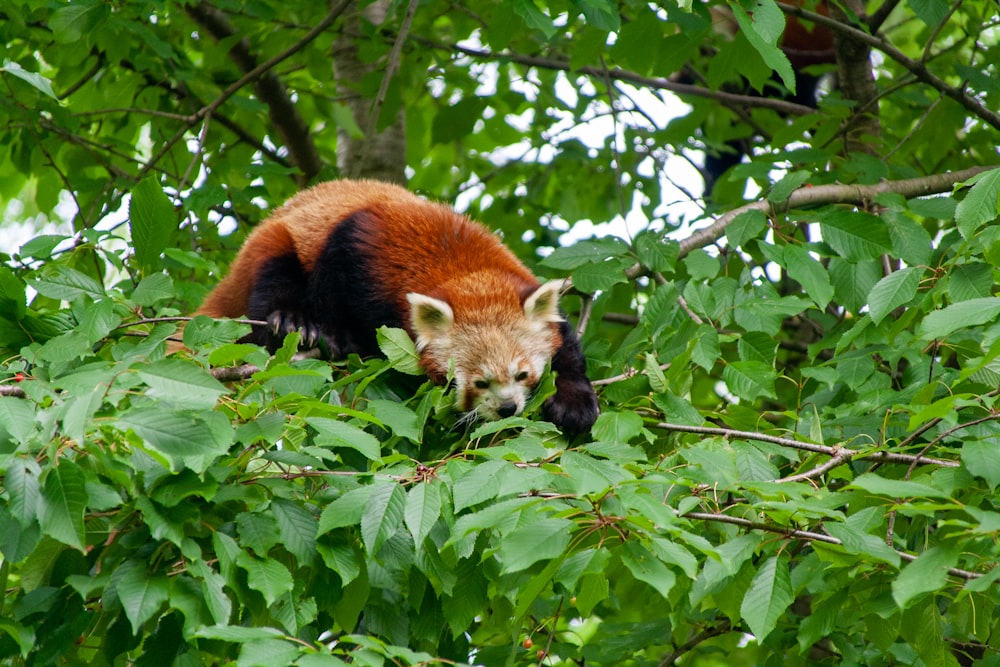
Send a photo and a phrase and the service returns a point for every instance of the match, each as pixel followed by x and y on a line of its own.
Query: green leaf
pixel 941 323
pixel 141 593
pixel 480 484
pixel 60 282
pixel 928 573
pixel 345 510
pixel 602 14
pixel 187 438
pixel 152 220
pixel 855 236
pixel 182 384
pixel 788 184
pixel 980 204
pixel 617 426
pixel 895 290
pixel 601 276
pixel 25 490
pixel 763 32
pixel 333 433
pixel 383 516
pixel 423 508
pixel 982 459
pixel 745 227
pixel 266 576
pixel 542 539
pixel 17 418
pixel 769 595
pixel 863 544
pixel 399 349
pixel 581 253
pixel 63 502
pixel 812 275
pixel 297 527
pixel 533 17
pixel 33 79
pixel 895 488
pixel 646 567
pixel 750 379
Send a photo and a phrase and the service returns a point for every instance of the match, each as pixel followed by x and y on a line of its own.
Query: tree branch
pixel 284 115
pixel 659 83
pixel 841 452
pixel 806 197
pixel 806 535
pixel 917 68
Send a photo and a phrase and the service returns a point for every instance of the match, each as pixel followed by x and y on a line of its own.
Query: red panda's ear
pixel 543 304
pixel 430 318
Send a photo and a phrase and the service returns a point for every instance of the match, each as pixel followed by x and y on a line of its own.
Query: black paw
pixel 280 323
pixel 573 408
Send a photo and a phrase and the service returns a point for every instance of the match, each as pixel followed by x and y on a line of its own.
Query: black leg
pixel 573 407
pixel 279 297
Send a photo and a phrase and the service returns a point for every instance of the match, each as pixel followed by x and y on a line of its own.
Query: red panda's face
pixel 497 360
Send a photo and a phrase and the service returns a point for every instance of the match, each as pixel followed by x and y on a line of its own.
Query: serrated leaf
pixel 188 438
pixel 896 488
pixel 344 511
pixel 60 282
pixel 581 253
pixel 789 183
pixel 17 418
pixel 617 426
pixel 399 349
pixel 22 483
pixel 895 290
pixel 644 566
pixel 863 544
pixel 297 527
pixel 219 604
pixel 855 236
pixel 141 593
pixel 601 276
pixel 63 502
pixel 423 508
pixel 941 323
pixel 541 539
pixel 182 384
pixel 769 595
pixel 480 484
pixel 750 379
pixel 980 204
pixel 746 226
pixel 812 275
pixel 928 573
pixel 534 17
pixel 588 475
pixel 334 433
pixel 152 220
pixel 763 31
pixel 237 633
pixel 33 79
pixel 383 516
pixel 266 576
pixel 982 459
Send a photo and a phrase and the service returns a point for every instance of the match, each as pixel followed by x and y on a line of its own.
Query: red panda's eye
pixel 481 384
pixel 521 377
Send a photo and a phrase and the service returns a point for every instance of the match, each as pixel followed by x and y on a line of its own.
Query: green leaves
pixel 151 220
pixel 769 595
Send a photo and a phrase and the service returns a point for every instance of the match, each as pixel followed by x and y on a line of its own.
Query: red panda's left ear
pixel 543 304
pixel 430 318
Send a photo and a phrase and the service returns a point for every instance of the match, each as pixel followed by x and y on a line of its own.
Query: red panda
pixel 343 258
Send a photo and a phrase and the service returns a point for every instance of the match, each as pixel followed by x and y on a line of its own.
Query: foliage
pixel 798 454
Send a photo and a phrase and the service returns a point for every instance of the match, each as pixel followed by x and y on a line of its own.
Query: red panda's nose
pixel 507 409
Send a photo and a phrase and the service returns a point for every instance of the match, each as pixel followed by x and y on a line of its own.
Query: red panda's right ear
pixel 430 318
